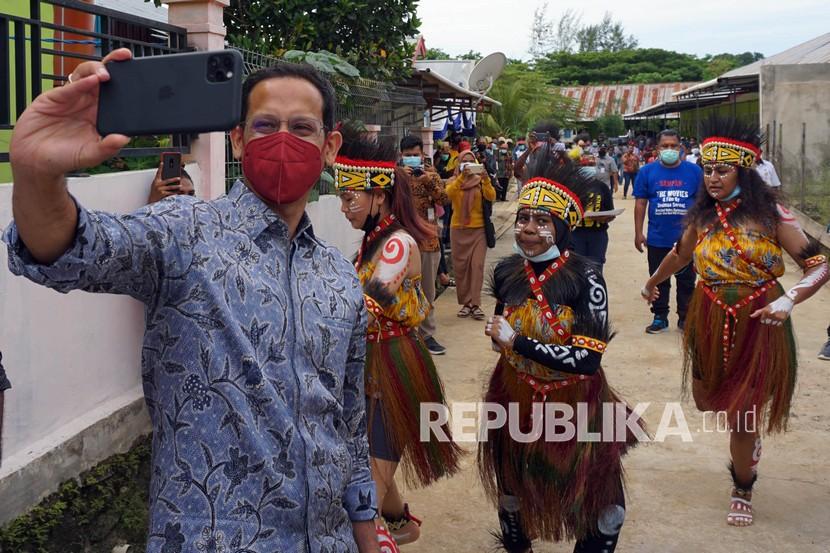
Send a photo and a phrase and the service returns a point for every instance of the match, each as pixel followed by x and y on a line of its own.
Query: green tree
pixel 641 65
pixel 437 54
pixel 369 34
pixel 606 36
pixel 611 125
pixel 525 100
pixel 721 63
pixel 471 55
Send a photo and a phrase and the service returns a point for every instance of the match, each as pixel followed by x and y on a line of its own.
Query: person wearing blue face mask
pixel 428 194
pixel 667 189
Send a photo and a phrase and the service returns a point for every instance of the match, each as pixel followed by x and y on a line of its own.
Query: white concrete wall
pixel 74 359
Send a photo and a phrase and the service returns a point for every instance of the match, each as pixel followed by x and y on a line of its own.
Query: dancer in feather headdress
pixel 400 374
pixel 739 346
pixel 551 326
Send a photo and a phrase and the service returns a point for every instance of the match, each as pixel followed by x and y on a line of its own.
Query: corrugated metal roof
pixel 597 100
pixel 816 50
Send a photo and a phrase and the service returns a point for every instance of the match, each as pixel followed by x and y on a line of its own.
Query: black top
pixel 600 198
pixel 4 382
pixel 577 284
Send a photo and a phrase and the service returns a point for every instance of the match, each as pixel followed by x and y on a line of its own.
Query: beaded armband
pixel 373 306
pixel 587 342
pixel 815 261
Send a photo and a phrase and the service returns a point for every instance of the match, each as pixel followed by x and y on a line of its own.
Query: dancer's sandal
pixel 386 541
pixel 405 528
pixel 477 314
pixel 740 508
pixel 464 312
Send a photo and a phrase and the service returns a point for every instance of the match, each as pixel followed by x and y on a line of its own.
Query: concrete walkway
pixel 677 492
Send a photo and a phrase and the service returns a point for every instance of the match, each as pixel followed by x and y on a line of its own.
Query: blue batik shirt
pixel 252 368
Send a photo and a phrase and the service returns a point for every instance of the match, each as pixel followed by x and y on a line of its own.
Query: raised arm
pixel 55 135
pixel 808 256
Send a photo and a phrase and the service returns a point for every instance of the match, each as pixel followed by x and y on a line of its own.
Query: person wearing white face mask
pixel 667 189
pixel 551 328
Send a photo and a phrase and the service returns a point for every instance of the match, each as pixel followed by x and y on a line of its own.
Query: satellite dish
pixel 486 72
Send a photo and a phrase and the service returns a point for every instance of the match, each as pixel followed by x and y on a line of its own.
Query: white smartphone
pixel 473 167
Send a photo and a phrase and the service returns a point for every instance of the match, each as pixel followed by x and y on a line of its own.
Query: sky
pixel 694 27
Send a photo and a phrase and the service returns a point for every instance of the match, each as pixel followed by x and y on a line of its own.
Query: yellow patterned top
pixel 410 306
pixel 717 261
pixel 527 320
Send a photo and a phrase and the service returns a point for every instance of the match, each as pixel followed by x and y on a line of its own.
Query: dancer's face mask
pixel 281 167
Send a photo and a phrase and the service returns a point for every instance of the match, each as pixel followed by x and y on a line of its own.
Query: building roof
pixel 745 79
pixel 597 100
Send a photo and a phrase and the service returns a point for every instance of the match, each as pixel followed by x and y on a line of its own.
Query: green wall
pixel 20 8
pixel 747 106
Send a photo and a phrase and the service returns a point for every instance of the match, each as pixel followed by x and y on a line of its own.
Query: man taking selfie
pixel 253 353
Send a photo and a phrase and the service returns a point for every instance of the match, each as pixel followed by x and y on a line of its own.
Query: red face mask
pixel 281 167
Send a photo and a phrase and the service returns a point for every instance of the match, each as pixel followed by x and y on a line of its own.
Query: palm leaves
pixel 526 99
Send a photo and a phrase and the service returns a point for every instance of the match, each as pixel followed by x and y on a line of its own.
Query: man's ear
pixel 331 146
pixel 237 141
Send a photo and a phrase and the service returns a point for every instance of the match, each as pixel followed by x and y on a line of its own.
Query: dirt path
pixel 677 492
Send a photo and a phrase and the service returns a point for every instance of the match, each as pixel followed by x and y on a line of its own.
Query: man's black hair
pixel 411 141
pixel 668 132
pixel 298 71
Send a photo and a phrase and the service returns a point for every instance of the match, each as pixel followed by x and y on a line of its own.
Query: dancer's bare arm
pixel 816 273
pixel 678 257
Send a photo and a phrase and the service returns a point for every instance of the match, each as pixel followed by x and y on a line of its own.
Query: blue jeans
pixel 628 179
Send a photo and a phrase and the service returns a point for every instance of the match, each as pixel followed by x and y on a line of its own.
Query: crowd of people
pixel 319 382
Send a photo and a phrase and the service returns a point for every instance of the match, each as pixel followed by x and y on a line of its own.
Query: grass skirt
pixel 562 487
pixel 762 366
pixel 400 375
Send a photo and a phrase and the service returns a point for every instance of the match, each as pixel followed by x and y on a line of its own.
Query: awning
pixel 439 92
pixel 670 109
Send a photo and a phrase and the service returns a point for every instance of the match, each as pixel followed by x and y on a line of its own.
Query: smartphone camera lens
pixel 227 62
pixel 213 63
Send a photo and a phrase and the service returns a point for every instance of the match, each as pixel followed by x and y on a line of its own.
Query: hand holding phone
pixel 171 165
pixel 161 187
pixel 56 134
pixel 193 92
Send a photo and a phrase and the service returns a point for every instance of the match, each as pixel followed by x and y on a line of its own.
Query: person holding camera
pixel 469 243
pixel 254 348
pixel 428 193
pixel 162 188
pixel 543 133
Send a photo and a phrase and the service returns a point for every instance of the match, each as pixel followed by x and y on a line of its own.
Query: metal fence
pixel 396 109
pixel 39 51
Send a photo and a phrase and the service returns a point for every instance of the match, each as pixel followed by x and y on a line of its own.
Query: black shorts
pixel 380 447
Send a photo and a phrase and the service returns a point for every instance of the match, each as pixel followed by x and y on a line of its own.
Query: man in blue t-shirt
pixel 667 187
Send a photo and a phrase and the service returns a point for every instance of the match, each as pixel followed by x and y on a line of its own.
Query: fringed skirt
pixel 761 369
pixel 562 486
pixel 400 375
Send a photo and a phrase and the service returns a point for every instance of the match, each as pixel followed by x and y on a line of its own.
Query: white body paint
pixel 395 258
